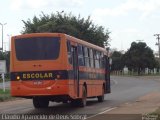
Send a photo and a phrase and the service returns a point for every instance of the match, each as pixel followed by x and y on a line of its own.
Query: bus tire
pixel 101 97
pixel 65 101
pixel 74 103
pixel 83 101
pixel 39 102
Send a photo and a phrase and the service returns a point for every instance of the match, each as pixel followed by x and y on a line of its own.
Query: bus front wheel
pixel 82 101
pixel 40 102
pixel 101 97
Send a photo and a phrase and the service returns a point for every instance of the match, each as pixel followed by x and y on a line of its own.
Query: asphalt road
pixel 124 89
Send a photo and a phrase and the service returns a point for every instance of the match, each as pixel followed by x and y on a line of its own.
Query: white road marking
pixel 107 110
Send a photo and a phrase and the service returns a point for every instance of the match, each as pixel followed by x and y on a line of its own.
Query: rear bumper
pixel 27 89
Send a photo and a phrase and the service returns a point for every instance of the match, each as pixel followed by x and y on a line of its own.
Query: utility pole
pixel 158 38
pixel 2 33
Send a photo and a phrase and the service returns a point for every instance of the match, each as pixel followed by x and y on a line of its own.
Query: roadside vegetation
pixel 156 113
pixel 61 22
pixel 137 59
pixel 5 95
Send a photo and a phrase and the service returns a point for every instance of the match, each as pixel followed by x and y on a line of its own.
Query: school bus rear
pixel 38 65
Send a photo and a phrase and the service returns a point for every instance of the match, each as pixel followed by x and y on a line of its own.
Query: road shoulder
pixel 145 104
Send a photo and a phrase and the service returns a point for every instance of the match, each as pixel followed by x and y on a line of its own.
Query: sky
pixel 127 20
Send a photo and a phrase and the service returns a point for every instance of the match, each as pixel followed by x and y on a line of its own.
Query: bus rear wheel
pixel 40 102
pixel 101 97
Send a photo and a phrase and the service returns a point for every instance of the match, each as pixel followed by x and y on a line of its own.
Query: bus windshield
pixel 37 48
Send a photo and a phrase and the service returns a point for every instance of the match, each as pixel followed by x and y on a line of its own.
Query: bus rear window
pixel 37 48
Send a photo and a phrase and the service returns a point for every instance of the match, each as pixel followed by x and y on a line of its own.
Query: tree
pixel 158 64
pixel 69 24
pixel 117 63
pixel 139 56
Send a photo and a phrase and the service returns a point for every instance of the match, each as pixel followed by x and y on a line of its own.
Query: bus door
pixel 75 69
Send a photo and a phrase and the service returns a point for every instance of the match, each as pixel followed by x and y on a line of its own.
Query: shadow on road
pixel 65 108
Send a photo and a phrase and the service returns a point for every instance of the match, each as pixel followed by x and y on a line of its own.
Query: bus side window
pixel 96 58
pixel 102 60
pixel 80 55
pixel 86 56
pixel 69 52
pixel 91 58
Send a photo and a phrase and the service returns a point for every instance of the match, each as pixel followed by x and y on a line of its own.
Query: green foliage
pixel 139 57
pixel 7 91
pixel 69 24
pixel 117 62
pixel 5 95
pixel 156 113
pixel 158 63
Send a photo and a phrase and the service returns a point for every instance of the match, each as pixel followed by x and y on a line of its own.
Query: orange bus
pixel 58 67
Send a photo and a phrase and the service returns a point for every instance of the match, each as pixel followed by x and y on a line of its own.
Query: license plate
pixel 37 83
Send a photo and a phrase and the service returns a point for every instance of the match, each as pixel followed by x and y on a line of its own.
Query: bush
pixel 5 95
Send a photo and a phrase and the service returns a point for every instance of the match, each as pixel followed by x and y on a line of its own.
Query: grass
pixel 156 113
pixel 5 95
pixel 7 91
